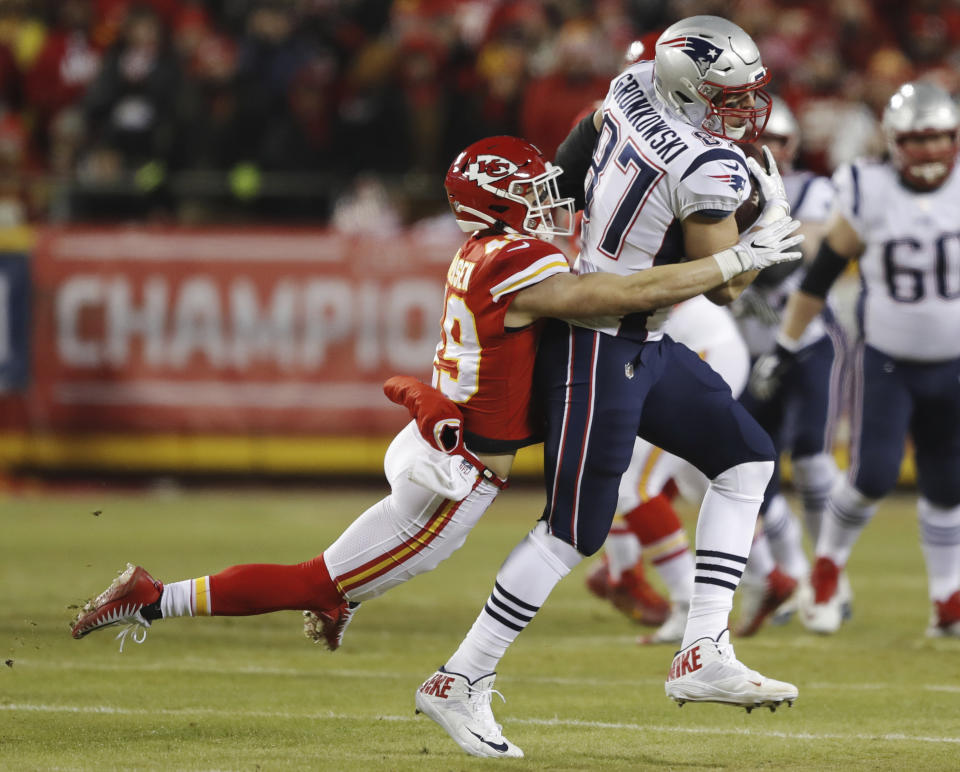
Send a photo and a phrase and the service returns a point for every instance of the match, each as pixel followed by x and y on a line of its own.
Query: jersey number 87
pixel 639 177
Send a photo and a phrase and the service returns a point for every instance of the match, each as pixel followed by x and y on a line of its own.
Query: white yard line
pixel 209 667
pixel 233 714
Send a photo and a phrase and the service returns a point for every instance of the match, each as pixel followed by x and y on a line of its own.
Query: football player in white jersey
pixel 801 416
pixel 664 181
pixel 901 219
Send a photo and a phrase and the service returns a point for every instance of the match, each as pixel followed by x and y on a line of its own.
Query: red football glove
pixel 439 419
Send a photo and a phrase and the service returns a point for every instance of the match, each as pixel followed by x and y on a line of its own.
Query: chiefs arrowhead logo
pixel 484 169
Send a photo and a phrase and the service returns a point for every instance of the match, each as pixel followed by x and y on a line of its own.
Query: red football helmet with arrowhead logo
pixel 506 182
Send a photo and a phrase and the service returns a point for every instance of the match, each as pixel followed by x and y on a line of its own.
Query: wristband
pixel 729 263
pixel 825 269
pixel 788 344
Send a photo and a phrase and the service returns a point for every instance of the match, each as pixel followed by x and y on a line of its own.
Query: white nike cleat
pixel 463 710
pixel 708 671
pixel 670 631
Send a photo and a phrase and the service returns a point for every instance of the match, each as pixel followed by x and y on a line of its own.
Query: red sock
pixel 653 520
pixel 259 588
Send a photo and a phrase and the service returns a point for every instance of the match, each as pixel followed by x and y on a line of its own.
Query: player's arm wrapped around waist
pixel 598 295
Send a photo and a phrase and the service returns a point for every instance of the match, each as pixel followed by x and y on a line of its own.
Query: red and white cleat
pixel 632 595
pixel 823 612
pixel 121 603
pixel 945 619
pixel 328 627
pixel 759 601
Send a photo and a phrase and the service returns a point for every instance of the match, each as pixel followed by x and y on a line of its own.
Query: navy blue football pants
pixel 893 398
pixel 801 417
pixel 600 392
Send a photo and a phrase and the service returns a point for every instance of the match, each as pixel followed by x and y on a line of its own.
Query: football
pixel 748 212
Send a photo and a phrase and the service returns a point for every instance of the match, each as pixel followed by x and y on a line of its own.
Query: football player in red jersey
pixel 447 466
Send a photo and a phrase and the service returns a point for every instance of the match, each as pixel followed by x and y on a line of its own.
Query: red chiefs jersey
pixel 486 369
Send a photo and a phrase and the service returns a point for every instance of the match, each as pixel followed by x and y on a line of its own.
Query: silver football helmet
pixel 783 126
pixel 708 72
pixel 916 111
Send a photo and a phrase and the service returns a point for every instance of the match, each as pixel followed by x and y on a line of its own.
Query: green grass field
pixel 252 693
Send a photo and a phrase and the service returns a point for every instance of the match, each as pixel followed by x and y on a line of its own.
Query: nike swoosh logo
pixel 755 683
pixel 734 167
pixel 498 747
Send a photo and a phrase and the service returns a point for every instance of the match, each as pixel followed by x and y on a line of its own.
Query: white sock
pixel 814 477
pixel 725 528
pixel 622 549
pixel 786 542
pixel 524 582
pixel 940 537
pixel 189 598
pixel 848 511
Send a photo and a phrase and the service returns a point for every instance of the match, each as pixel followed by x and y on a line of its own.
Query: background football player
pixel 900 219
pixel 801 416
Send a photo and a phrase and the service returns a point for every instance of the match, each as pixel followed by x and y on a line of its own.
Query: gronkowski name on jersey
pixel 910 267
pixel 480 364
pixel 649 172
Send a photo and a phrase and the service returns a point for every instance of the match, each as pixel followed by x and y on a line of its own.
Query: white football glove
pixel 772 188
pixel 757 249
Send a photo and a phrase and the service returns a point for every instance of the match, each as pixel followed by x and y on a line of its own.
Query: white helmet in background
pixel 634 53
pixel 706 68
pixel 917 110
pixel 782 125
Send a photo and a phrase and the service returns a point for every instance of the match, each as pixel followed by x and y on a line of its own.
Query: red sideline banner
pixel 230 331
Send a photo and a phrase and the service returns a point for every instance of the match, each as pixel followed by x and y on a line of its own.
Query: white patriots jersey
pixel 760 308
pixel 649 172
pixel 909 304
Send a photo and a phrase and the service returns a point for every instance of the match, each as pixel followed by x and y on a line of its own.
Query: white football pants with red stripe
pixel 409 532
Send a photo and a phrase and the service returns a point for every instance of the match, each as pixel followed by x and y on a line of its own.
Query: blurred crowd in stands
pixel 292 110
